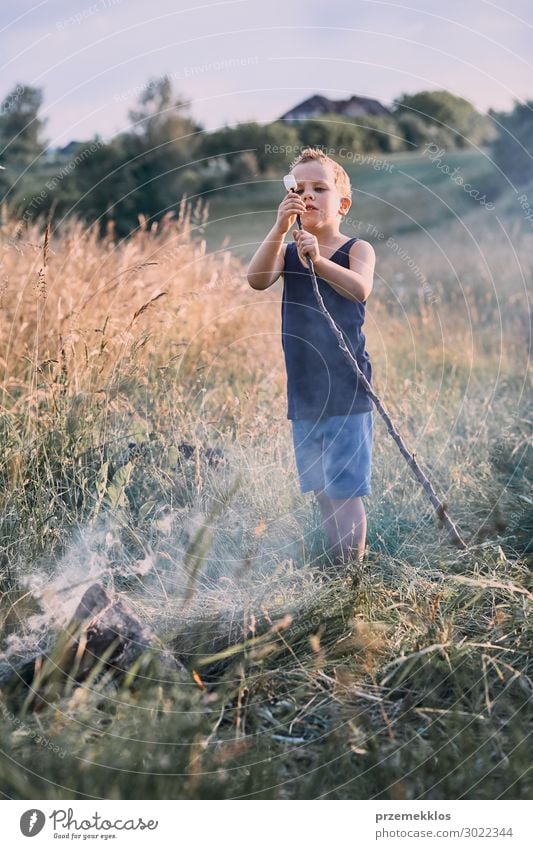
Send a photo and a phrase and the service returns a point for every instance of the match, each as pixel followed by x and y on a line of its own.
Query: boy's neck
pixel 327 237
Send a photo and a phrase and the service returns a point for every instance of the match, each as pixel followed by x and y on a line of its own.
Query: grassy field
pixel 415 683
pixel 397 194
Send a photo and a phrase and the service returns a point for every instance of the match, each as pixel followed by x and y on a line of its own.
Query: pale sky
pixel 240 60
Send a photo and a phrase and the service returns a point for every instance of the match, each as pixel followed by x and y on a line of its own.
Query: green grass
pixel 403 199
pixel 417 683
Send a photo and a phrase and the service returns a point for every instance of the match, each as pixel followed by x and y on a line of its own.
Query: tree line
pixel 165 154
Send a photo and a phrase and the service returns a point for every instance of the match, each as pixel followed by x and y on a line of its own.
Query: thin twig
pixel 408 455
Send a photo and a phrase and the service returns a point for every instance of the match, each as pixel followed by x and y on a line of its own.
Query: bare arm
pixel 267 262
pixel 355 282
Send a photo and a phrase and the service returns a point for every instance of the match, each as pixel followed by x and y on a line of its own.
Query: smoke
pixel 58 587
pixel 183 563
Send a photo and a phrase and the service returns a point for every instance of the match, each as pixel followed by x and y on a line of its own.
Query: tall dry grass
pixel 124 365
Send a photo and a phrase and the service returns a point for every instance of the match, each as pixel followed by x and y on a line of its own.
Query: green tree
pixel 21 139
pixel 244 168
pixel 367 134
pixel 512 146
pixel 272 145
pixel 414 130
pixel 162 119
pixel 161 147
pixel 381 134
pixel 331 132
pixel 21 127
pixel 144 170
pixel 452 120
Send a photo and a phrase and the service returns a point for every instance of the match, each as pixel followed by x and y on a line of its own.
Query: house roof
pixel 317 105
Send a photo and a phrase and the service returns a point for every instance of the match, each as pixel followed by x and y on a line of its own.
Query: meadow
pixel 145 447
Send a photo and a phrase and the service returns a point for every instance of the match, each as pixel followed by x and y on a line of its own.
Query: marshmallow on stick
pixel 289 181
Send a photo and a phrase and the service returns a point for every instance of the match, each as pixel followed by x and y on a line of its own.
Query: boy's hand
pixel 291 206
pixel 307 245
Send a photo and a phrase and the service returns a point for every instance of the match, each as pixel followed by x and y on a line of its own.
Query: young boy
pixel 330 412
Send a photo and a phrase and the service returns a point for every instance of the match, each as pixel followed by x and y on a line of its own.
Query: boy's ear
pixel 345 205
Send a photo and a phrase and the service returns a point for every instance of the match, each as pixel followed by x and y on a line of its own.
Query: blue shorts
pixel 334 454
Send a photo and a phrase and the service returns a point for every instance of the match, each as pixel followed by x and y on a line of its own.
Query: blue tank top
pixel 320 381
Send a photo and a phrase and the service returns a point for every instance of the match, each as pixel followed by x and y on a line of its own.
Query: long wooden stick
pixel 409 455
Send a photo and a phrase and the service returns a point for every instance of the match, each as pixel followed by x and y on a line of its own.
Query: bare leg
pixel 344 522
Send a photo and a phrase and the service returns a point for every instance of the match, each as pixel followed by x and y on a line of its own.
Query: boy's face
pixel 316 186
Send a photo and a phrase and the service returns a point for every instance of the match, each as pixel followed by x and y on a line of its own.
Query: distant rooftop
pixel 318 105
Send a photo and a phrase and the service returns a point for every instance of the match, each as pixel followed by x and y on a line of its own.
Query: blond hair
pixel 314 154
